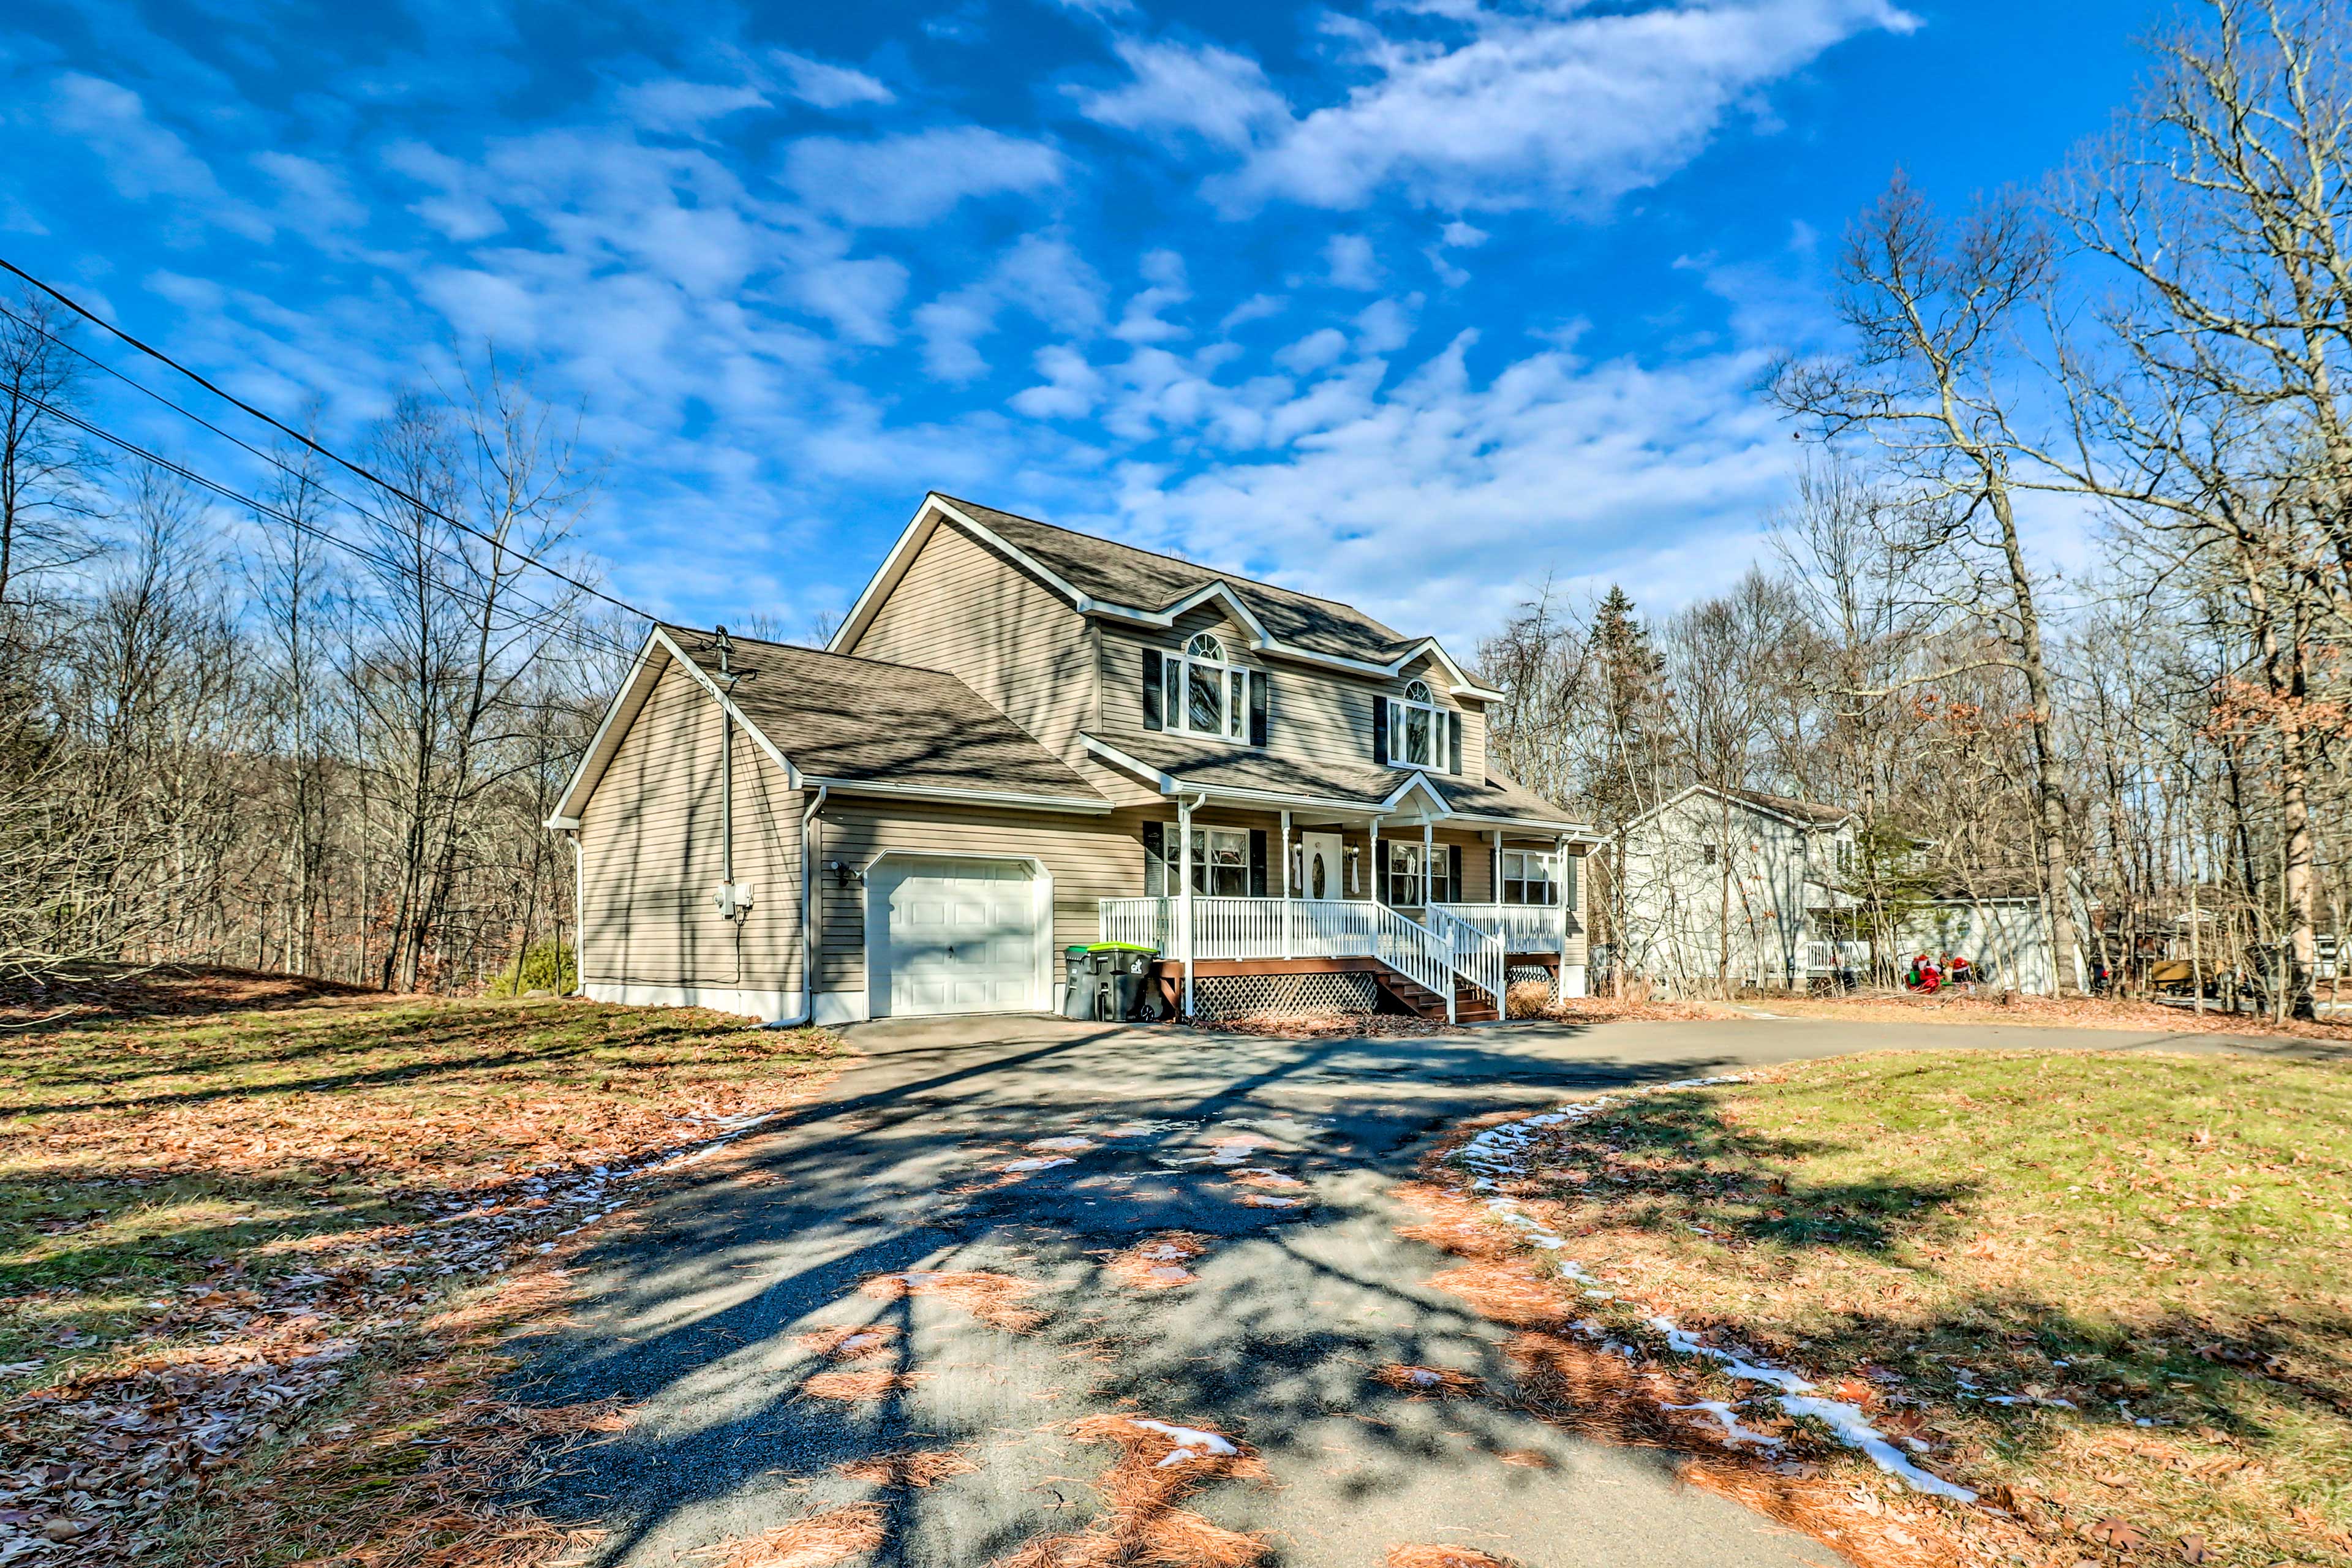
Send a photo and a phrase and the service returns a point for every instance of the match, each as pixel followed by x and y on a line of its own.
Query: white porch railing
pixel 1430 955
pixel 1825 958
pixel 1524 928
pixel 1477 955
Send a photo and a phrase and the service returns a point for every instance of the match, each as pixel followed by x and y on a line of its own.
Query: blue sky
pixel 1416 304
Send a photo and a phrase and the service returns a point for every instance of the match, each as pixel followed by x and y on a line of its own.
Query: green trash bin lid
pixel 1117 947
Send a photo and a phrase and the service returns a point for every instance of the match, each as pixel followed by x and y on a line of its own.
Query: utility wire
pixel 544 622
pixel 272 459
pixel 336 457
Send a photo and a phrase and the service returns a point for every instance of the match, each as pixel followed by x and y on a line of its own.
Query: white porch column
pixel 1373 870
pixel 1428 864
pixel 1287 909
pixel 1184 892
pixel 1495 878
pixel 1559 882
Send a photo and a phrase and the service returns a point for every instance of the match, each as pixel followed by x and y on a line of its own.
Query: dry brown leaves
pixel 993 1299
pixel 820 1540
pixel 439 1513
pixel 1596 1391
pixel 1533 999
pixel 1159 1464
pixel 1272 1181
pixel 1416 1556
pixel 1428 1381
pixel 858 1387
pixel 1157 1262
pixel 915 1468
pixel 2046 1012
pixel 850 1342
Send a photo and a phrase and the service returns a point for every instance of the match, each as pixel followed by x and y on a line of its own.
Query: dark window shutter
pixel 1155 858
pixel 1257 862
pixel 1379 729
pixel 1453 743
pixel 1261 699
pixel 1152 720
pixel 1454 874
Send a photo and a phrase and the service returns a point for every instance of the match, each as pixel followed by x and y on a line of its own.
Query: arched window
pixel 1421 734
pixel 1206 693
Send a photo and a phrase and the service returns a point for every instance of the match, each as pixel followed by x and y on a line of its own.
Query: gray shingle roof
pixel 1789 806
pixel 1144 579
pixel 1364 786
pixel 864 720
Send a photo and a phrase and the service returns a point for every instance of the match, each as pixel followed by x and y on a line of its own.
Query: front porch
pixel 1440 960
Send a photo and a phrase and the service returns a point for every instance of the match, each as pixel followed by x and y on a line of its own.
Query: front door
pixel 1321 866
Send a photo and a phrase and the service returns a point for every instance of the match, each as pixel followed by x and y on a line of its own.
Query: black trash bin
pixel 1080 996
pixel 1122 972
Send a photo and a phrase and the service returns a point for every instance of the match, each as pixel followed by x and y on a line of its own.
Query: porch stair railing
pixel 1476 955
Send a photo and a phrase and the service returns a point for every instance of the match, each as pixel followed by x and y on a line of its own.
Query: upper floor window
pixel 1202 691
pixel 1421 734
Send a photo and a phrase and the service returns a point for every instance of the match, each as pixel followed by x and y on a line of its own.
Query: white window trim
pixel 1171 840
pixel 1554 879
pixel 1176 692
pixel 1441 723
pixel 1409 849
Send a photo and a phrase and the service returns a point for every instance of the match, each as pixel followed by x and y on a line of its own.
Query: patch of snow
pixel 1191 1444
pixel 1040 1163
pixel 1069 1145
pixel 1732 1432
pixel 1855 1432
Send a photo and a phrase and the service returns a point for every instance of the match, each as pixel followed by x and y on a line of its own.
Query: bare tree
pixel 1932 308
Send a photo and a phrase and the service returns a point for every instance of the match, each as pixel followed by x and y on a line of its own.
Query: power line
pixel 336 457
pixel 270 457
pixel 543 622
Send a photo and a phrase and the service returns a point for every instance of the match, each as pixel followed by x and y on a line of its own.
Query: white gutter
pixel 1098 807
pixel 808 883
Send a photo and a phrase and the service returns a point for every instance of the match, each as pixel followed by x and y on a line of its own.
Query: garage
pixel 955 936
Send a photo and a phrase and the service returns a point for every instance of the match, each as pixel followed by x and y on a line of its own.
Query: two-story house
pixel 1024 738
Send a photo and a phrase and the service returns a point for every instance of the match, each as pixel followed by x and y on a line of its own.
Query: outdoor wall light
pixel 845 875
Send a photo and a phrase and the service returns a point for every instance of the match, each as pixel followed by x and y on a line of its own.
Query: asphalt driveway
pixel 698 1314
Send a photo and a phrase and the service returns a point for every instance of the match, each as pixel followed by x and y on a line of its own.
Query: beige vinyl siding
pixel 964 608
pixel 649 841
pixel 1089 859
pixel 1314 716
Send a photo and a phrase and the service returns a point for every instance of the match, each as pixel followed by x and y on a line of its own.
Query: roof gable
pixel 1101 576
pixel 854 724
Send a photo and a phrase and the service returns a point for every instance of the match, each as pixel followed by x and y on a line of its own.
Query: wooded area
pixel 313 728
pixel 2157 341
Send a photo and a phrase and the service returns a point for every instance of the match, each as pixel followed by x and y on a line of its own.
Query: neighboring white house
pixel 1731 884
pixel 1739 888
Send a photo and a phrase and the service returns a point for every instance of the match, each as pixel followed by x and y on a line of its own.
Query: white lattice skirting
pixel 1521 973
pixel 1256 996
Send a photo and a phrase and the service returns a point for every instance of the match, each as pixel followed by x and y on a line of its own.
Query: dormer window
pixel 1202 691
pixel 1421 734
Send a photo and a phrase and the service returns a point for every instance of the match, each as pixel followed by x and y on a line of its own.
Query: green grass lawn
pixel 194 1206
pixel 2163 1243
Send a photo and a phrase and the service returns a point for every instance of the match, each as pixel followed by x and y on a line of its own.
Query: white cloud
pixel 460 207
pixel 1436 501
pixel 144 161
pixel 1463 235
pixel 1071 389
pixel 314 198
pixel 898 182
pixel 1313 352
pixel 1256 308
pixel 683 108
pixel 1043 276
pixel 860 298
pixel 1209 92
pixel 1568 106
pixel 1352 265
pixel 829 85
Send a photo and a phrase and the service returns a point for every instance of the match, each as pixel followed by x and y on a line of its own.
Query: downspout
pixel 808 886
pixel 1184 810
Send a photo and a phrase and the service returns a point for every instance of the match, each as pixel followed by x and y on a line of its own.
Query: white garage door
pixel 955 936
